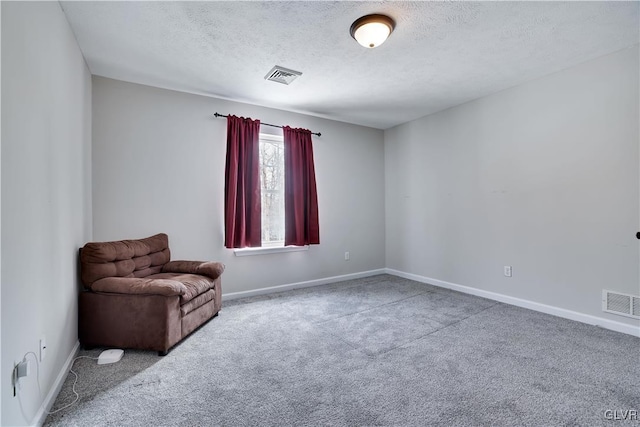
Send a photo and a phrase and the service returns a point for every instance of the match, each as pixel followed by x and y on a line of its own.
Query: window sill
pixel 269 250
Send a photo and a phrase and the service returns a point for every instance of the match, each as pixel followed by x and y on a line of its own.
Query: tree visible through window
pixel 272 189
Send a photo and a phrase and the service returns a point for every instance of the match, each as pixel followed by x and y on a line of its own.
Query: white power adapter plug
pixel 20 369
pixel 23 369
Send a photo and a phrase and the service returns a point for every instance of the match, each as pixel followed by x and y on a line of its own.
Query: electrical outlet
pixel 507 270
pixel 346 256
pixel 43 348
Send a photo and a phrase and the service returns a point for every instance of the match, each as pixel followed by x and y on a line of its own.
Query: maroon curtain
pixel 242 184
pixel 300 196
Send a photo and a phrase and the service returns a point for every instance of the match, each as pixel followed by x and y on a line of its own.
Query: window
pixel 272 189
pixel 263 210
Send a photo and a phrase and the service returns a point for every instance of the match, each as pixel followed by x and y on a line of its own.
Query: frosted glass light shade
pixel 372 30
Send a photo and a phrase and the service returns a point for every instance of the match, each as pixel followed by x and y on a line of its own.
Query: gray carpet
pixel 375 351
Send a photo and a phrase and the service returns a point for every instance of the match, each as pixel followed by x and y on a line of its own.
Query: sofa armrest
pixel 136 286
pixel 210 269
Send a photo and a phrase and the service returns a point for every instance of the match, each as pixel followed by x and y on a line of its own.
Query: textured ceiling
pixel 441 54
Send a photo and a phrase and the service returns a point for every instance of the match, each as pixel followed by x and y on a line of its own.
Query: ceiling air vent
pixel 622 304
pixel 282 75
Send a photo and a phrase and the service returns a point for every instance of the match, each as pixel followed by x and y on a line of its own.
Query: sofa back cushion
pixel 124 258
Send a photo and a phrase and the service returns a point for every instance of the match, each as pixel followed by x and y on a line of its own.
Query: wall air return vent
pixel 622 304
pixel 282 75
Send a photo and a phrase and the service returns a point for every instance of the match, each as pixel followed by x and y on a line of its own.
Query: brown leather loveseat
pixel 135 297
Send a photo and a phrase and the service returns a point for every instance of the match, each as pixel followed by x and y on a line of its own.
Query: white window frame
pixel 269 247
pixel 269 250
pixel 278 139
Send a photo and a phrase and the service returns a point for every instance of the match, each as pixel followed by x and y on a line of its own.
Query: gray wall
pixel 46 200
pixel 543 177
pixel 158 166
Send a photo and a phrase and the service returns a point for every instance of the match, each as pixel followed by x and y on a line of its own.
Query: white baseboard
pixel 536 306
pixel 307 284
pixel 48 402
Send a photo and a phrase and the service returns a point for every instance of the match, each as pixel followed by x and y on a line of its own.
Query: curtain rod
pixel 266 124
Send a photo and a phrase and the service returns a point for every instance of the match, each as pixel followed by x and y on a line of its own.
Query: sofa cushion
pixel 210 269
pixel 135 286
pixel 194 284
pixel 124 258
pixel 198 301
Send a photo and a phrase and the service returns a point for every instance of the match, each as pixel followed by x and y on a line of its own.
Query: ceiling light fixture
pixel 372 30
